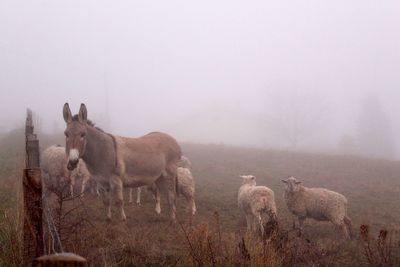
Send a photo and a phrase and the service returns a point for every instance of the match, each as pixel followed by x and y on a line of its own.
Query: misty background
pixel 304 75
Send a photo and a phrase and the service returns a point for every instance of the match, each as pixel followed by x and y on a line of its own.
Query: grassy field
pixel 147 239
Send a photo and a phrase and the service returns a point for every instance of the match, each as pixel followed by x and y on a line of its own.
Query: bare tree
pixel 297 117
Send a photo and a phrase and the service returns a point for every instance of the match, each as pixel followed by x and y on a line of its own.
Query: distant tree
pixel 374 129
pixel 297 116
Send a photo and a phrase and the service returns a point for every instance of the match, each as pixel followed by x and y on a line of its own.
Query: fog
pixel 271 74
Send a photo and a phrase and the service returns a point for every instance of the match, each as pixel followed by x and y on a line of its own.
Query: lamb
pixel 317 203
pixel 255 202
pixel 56 174
pixel 186 187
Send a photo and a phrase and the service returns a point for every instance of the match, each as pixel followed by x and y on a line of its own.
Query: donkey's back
pixel 147 157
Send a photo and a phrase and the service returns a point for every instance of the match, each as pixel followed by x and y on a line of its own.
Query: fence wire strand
pixel 55 236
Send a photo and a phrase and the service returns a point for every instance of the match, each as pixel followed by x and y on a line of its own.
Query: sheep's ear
pixel 284 181
pixel 67 113
pixel 242 176
pixel 298 182
pixel 82 115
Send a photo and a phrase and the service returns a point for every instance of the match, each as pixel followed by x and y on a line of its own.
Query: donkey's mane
pixel 89 122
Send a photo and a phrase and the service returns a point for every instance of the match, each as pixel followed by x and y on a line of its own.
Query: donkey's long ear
pixel 82 113
pixel 284 181
pixel 67 113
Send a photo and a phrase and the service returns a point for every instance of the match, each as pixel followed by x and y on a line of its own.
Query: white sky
pixel 165 59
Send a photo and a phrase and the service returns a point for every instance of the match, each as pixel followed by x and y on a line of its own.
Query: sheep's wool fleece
pixel 249 198
pixel 54 161
pixel 185 182
pixel 318 203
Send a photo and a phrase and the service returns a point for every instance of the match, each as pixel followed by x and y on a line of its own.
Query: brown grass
pixel 216 237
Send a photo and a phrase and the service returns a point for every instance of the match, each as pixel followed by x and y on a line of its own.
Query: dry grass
pixel 216 237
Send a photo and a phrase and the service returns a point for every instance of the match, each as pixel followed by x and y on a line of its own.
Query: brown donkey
pixel 116 161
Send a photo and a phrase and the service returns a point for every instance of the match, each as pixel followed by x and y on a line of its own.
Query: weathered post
pixel 33 210
pixel 62 260
pixel 32 190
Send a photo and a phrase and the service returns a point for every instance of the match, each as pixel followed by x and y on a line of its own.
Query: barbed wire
pixel 58 248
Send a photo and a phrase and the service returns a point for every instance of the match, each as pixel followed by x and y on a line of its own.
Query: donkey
pixel 116 161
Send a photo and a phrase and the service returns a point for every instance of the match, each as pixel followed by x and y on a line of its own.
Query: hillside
pixel 371 186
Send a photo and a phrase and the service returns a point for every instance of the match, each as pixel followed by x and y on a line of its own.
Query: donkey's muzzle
pixel 72 164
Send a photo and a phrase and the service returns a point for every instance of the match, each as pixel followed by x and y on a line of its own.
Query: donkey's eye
pixel 83 135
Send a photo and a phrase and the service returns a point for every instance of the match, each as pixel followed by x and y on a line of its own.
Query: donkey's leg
pixel 106 197
pixel 171 180
pixel 118 194
pixel 157 193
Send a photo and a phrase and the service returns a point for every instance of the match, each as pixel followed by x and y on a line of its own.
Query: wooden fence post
pixel 33 248
pixel 61 260
pixel 32 190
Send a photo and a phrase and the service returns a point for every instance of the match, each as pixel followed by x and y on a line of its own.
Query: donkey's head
pixel 75 135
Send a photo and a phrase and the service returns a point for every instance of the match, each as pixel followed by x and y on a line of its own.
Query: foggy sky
pixel 163 62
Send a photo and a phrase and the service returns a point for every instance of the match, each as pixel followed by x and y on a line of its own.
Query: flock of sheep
pixel 257 203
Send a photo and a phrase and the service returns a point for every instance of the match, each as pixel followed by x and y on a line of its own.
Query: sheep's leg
pixel 130 195
pixel 85 180
pixel 71 190
pixel 118 194
pixel 301 224
pixel 260 223
pixel 97 189
pixel 190 207
pixel 193 205
pixel 71 185
pixel 345 231
pixel 249 222
pixel 294 224
pixel 139 192
pixel 347 222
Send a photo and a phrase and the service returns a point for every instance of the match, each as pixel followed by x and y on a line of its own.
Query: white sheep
pixel 185 162
pixel 186 187
pixel 56 174
pixel 317 203
pixel 255 202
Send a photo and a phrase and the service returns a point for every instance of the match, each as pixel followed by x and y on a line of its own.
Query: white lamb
pixel 255 202
pixel 186 187
pixel 56 174
pixel 317 203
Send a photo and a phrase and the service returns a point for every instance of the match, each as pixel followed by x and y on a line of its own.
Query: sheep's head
pixel 248 179
pixel 292 184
